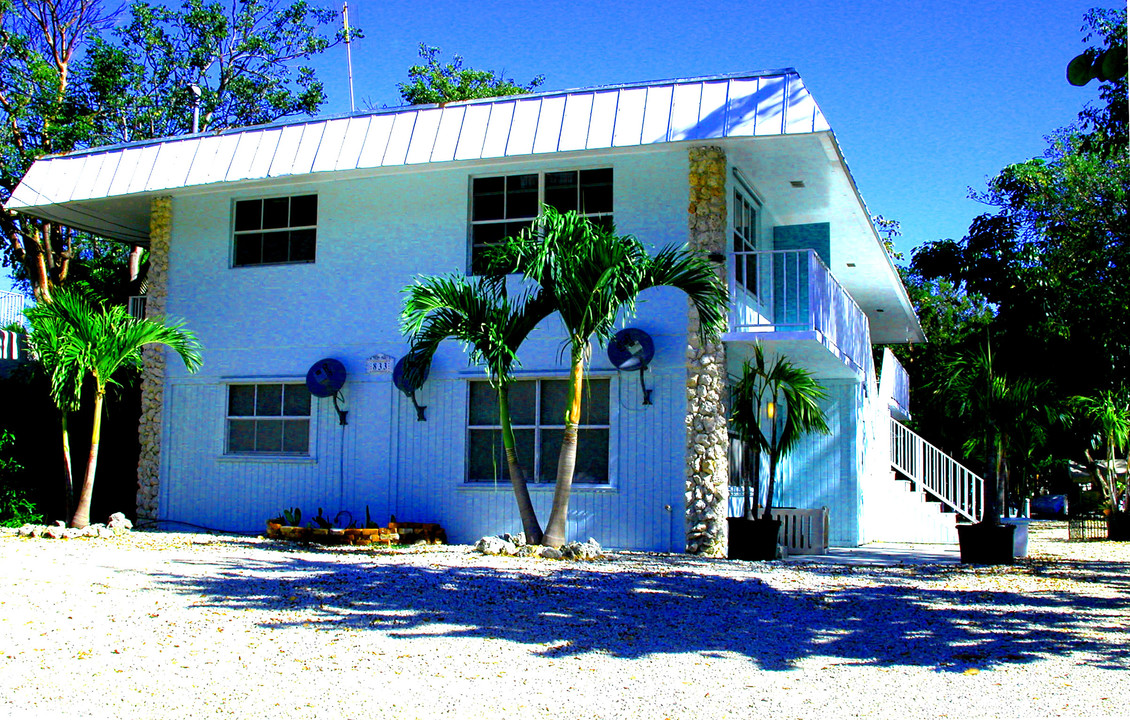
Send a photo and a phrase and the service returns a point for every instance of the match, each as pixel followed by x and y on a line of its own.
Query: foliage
pixel 16 505
pixel 1104 127
pixel 479 314
pixel 40 113
pixel 1108 413
pixel 67 82
pixel 83 340
pixel 590 275
pixel 239 55
pixel 775 405
pixel 436 83
pixel 1044 277
pixel 1008 417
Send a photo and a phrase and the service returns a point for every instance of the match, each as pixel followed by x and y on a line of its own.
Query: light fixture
pixel 771 410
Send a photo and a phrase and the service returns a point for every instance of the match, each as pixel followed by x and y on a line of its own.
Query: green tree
pixel 775 405
pixel 1108 412
pixel 436 83
pixel 40 43
pixel 64 374
pixel 590 275
pixel 1000 413
pixel 98 342
pixel 1053 259
pixel 68 83
pixel 240 56
pixel 478 313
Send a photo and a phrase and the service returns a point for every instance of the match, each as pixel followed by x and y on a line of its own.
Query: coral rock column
pixel 153 358
pixel 707 454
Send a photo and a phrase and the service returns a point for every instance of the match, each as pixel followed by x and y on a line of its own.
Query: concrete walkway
pixel 881 553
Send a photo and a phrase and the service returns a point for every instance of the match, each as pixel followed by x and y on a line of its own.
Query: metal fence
pixel 1087 527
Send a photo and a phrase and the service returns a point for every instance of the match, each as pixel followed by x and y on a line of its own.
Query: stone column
pixel 153 358
pixel 707 453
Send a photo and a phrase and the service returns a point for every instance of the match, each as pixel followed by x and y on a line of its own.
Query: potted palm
pixel 775 404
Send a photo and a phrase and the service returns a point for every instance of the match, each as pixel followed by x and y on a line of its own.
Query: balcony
pixel 789 301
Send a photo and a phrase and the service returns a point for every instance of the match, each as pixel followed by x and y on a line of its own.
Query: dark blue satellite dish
pixel 325 377
pixel 632 349
pixel 409 375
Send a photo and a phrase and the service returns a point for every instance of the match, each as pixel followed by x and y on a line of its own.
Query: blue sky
pixel 926 99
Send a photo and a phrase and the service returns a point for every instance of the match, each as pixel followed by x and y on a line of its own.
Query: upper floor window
pixel 745 242
pixel 268 419
pixel 272 231
pixel 537 415
pixel 502 206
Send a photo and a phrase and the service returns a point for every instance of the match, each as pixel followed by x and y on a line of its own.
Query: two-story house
pixel 286 244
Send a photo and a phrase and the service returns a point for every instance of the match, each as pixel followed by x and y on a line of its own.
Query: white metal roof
pixel 773 103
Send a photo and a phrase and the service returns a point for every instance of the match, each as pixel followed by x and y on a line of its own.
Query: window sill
pixel 534 488
pixel 273 459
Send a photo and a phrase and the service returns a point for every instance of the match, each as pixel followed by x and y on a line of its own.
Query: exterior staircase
pixel 933 491
pixel 936 493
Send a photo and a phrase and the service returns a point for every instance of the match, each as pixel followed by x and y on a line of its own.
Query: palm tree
pixel 786 398
pixel 479 314
pixel 1109 412
pixel 99 342
pixel 999 409
pixel 46 341
pixel 590 275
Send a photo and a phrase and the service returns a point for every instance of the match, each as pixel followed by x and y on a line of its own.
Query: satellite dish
pixel 632 349
pixel 325 378
pixel 409 375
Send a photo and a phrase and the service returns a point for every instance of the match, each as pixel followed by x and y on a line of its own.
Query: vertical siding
pixel 645 470
pixel 274 321
pixel 824 469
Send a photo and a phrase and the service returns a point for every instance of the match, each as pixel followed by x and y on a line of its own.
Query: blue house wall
pixel 375 235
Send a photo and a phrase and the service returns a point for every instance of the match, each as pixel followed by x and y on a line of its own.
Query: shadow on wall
pixel 574 609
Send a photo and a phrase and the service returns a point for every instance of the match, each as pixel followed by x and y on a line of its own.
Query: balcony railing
pixel 894 385
pixel 792 291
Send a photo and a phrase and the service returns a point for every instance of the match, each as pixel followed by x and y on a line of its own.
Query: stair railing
pixel 936 473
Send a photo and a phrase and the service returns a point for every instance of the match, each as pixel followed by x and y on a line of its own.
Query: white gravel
pixel 171 625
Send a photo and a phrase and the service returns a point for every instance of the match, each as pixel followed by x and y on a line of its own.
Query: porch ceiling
pixel 858 259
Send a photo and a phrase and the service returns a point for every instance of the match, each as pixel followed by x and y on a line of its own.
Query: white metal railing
pixel 793 291
pixel 894 384
pixel 12 305
pixel 936 473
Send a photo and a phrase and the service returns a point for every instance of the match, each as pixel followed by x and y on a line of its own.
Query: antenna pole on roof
pixel 348 52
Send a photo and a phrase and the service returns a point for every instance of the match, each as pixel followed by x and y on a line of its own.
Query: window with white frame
pixel 501 206
pixel 274 231
pixel 268 419
pixel 537 415
pixel 745 241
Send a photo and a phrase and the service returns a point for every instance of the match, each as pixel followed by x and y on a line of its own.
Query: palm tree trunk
pixel 68 470
pixel 567 460
pixel 530 525
pixel 82 512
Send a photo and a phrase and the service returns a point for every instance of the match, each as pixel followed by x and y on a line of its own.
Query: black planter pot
pixel 753 539
pixel 986 543
pixel 1118 526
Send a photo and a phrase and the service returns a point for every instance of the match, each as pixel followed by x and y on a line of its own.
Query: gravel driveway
pixel 172 625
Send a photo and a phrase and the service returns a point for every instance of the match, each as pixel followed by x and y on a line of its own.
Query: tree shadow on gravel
pixel 687 605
